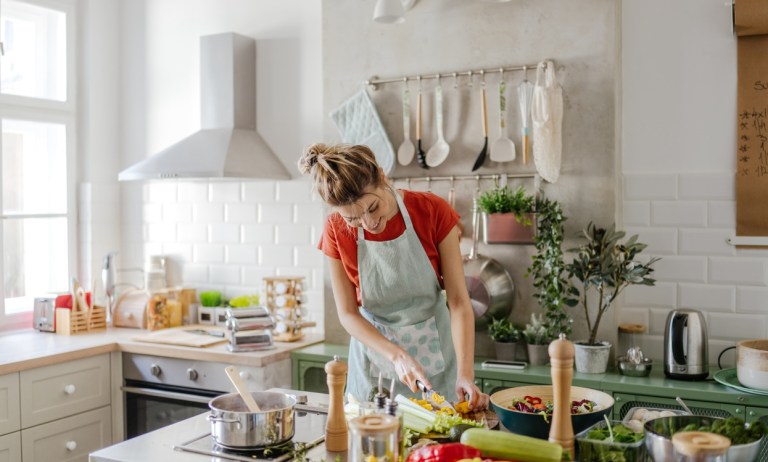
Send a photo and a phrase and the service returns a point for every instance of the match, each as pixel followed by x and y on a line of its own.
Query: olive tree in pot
pixel 605 266
pixel 504 336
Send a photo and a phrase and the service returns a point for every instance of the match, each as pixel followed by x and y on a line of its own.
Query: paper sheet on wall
pixel 751 27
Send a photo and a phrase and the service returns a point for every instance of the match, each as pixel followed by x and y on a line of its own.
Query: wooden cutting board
pixel 180 337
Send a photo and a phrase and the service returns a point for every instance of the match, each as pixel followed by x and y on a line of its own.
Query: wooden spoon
pixel 242 388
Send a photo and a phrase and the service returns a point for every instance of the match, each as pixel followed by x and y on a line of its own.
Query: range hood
pixel 227 146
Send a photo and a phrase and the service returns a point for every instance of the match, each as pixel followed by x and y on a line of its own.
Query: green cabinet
pixel 308 366
pixel 624 402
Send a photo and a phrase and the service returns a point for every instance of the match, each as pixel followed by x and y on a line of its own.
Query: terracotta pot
pixel 506 350
pixel 592 359
pixel 503 228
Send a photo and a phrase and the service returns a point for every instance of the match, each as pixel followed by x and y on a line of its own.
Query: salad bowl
pixel 520 416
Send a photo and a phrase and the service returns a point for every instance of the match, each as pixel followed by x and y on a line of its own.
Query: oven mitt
pixel 359 123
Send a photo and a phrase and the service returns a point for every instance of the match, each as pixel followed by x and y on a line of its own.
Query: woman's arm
pixel 407 369
pixel 462 319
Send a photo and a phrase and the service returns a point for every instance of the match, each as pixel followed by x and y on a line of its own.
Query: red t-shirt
pixel 432 217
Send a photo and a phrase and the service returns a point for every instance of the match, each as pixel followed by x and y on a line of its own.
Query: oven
pixel 161 391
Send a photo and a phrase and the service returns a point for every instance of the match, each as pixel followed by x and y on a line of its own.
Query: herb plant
pixel 503 331
pixel 505 200
pixel 536 332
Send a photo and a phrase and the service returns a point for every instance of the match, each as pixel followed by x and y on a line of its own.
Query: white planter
pixel 592 359
pixel 506 350
pixel 538 355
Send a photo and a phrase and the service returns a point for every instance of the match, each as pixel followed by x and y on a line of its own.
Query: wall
pixel 456 35
pixel 678 144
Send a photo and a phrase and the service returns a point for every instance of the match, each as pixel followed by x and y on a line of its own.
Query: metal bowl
pixel 631 369
pixel 658 438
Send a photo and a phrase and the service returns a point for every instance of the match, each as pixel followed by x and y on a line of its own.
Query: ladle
pixel 242 388
pixel 439 151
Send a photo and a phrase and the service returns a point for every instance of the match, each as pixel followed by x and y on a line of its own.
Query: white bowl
pixel 752 363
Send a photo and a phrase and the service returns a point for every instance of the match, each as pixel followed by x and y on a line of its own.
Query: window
pixel 37 115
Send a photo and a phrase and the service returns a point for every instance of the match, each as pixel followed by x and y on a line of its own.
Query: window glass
pixel 35 43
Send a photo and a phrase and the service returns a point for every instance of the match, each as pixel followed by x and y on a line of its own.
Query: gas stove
pixel 309 432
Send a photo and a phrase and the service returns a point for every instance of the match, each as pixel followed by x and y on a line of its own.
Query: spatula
pixel 503 149
pixel 242 388
pixel 481 157
pixel 421 156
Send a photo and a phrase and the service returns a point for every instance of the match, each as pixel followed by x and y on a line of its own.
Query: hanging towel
pixel 547 118
pixel 359 123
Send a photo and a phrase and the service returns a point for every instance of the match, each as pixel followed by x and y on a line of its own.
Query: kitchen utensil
pixel 503 149
pixel 631 368
pixel 547 118
pixel 406 150
pixel 481 157
pixel 233 426
pixel 44 314
pixel 562 354
pixel 536 425
pixel 658 438
pixel 429 395
pixel 212 333
pixel 336 435
pixel 452 195
pixel 525 95
pixel 242 388
pixel 439 151
pixel 108 281
pixel 685 345
pixel 421 157
pixel 491 290
pixel 683 405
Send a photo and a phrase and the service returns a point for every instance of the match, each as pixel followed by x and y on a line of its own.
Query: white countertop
pixel 28 349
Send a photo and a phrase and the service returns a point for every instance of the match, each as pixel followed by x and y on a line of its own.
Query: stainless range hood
pixel 227 146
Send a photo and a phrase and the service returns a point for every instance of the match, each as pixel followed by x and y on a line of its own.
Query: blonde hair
pixel 341 172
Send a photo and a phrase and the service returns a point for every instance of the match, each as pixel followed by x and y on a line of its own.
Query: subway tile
pixel 161 232
pixel 254 275
pixel 293 234
pixel 309 282
pixel 177 251
pixel 660 241
pixel 752 300
pixel 208 213
pixel 160 192
pixel 637 213
pixel 193 273
pixel 736 326
pixel 309 214
pixel 721 214
pixel 276 213
pixel 678 213
pixel 658 320
pixel 241 254
pixel 680 269
pixel 276 255
pixel 193 192
pixel 708 297
pixel 192 233
pixel 309 256
pixel 631 315
pixel 653 347
pixel 152 213
pixel 224 233
pixel 209 253
pixel 705 242
pixel 717 348
pixel 663 295
pixel 259 192
pixel 742 271
pixel 224 274
pixel 650 186
pixel 707 186
pixel 225 192
pixel 295 191
pixel 258 234
pixel 240 213
pixel 177 213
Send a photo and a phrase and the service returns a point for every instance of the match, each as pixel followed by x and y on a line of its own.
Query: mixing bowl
pixel 535 425
pixel 752 363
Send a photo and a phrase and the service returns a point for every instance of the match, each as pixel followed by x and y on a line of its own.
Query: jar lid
pixel 372 424
pixel 628 328
pixel 700 443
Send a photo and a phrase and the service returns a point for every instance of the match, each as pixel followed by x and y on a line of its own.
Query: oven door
pixel 149 406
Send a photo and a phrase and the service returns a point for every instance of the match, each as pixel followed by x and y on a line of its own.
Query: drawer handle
pixel 737 411
pixel 71 445
pixel 69 389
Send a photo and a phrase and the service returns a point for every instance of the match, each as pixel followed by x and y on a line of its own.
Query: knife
pixel 428 394
pixel 207 332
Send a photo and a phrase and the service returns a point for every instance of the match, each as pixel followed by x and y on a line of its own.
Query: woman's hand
pixel 476 398
pixel 408 371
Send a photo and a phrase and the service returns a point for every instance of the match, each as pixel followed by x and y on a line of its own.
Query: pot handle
pixel 721 355
pixel 213 418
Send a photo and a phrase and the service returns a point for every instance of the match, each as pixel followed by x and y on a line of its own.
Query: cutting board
pixel 180 337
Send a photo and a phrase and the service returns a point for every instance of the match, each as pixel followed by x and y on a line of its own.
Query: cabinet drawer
pixel 70 439
pixel 10 420
pixel 52 392
pixel 10 447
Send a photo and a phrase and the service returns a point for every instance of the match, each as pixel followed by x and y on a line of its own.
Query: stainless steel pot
pixel 234 427
pixel 490 286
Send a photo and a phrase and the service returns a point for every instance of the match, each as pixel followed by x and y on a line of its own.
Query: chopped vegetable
pixel 509 446
pixel 420 420
pixel 606 442
pixel 534 405
pixel 449 452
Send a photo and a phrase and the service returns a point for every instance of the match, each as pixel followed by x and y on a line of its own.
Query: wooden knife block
pixel 70 322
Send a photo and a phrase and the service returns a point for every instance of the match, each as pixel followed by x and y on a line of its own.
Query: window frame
pixel 48 111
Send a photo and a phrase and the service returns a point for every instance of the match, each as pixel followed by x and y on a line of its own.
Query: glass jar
pixel 374 438
pixel 700 447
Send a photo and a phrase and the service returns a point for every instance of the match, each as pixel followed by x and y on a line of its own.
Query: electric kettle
pixel 685 345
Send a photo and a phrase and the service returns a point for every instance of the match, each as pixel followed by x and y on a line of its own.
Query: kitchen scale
pixel 309 425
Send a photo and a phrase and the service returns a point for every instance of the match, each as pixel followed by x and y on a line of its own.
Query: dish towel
pixel 359 123
pixel 547 118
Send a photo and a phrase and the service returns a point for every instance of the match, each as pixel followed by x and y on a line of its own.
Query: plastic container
pixel 646 416
pixel 596 450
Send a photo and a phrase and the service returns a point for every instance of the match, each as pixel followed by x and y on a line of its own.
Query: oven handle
pixel 167 394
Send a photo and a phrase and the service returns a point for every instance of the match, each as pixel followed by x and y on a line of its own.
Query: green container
pixel 604 450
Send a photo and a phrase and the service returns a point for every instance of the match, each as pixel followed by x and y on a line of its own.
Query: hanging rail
pixel 495 176
pixel 377 81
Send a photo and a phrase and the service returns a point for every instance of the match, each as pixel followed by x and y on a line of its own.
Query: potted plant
pixel 504 336
pixel 605 266
pixel 507 215
pixel 537 338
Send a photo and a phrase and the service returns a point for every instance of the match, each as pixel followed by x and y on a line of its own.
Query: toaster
pixel 44 314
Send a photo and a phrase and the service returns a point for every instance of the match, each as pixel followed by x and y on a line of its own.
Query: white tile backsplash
pixel 743 326
pixel 225 275
pixel 208 213
pixel 241 254
pixel 678 213
pixel 276 255
pixel 293 234
pixel 294 191
pixel 721 214
pixel 254 275
pixel 194 192
pixel 637 213
pixel 192 233
pixel 220 233
pixel 209 253
pixel 660 241
pixel 259 192
pixel 705 242
pixel 225 192
pixel 708 297
pixel 161 232
pixel 650 186
pixel 752 300
pixel 276 213
pixel 742 271
pixel 240 213
pixel 663 294
pixel 310 214
pixel 160 191
pixel 177 213
pixel 714 186
pixel 681 269
pixel 192 273
pixel 258 234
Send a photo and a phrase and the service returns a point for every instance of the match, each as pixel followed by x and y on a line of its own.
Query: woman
pixel 390 254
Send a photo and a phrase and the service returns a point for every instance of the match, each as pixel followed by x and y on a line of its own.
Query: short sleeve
pixel 329 243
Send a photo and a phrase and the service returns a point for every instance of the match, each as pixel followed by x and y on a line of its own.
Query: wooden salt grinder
pixel 336 439
pixel 561 353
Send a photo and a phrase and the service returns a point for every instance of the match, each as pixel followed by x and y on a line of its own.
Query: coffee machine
pixel 686 351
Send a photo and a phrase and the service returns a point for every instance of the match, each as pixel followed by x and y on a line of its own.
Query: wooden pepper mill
pixel 336 439
pixel 561 353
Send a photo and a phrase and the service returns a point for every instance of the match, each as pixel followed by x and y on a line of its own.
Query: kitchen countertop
pixel 158 445
pixel 29 349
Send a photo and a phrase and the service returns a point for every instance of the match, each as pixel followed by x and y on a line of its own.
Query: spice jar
pixel 374 438
pixel 700 447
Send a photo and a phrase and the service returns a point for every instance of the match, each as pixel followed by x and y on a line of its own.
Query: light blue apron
pixel 403 300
